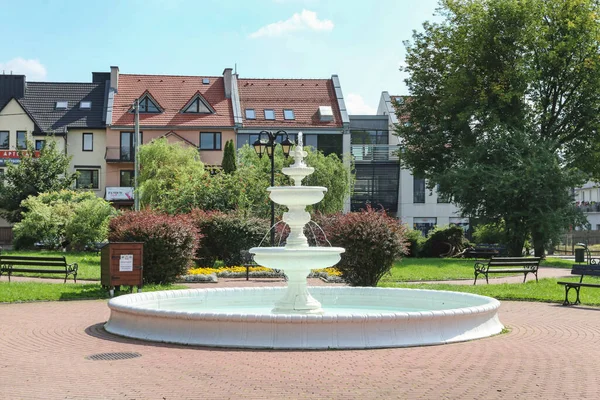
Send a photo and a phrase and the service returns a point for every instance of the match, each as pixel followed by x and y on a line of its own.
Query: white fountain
pixel 296 259
pixel 290 317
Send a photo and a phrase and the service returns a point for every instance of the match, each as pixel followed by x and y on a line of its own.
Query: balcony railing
pixel 595 207
pixel 374 152
pixel 119 154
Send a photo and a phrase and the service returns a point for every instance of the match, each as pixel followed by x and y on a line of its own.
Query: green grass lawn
pixel 38 291
pixel 89 263
pixel 546 290
pixel 441 269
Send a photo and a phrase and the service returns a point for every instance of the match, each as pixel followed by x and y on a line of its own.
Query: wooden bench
pixel 38 265
pixel 582 270
pixel 507 265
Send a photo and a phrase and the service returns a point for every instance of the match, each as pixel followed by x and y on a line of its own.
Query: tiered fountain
pixel 290 317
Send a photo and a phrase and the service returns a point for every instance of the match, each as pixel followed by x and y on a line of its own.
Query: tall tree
pixel 229 163
pixel 48 172
pixel 503 113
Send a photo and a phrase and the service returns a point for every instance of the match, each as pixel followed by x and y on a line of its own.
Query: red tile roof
pixel 304 96
pixel 172 93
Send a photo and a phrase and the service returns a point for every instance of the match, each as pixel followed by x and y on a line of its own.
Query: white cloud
pixel 33 69
pixel 306 20
pixel 355 104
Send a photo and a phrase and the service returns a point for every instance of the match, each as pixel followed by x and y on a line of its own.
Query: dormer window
pixel 198 105
pixel 288 114
pixel 61 105
pixel 250 113
pixel 85 105
pixel 148 106
pixel 269 114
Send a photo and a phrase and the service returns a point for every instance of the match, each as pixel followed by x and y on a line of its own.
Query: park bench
pixel 582 270
pixel 38 265
pixel 507 265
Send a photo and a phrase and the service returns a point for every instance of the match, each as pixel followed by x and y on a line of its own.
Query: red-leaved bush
pixel 373 241
pixel 225 235
pixel 169 242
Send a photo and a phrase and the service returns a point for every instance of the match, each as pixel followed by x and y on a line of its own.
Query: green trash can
pixel 579 255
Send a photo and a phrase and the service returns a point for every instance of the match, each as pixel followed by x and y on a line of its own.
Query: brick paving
pixel 550 352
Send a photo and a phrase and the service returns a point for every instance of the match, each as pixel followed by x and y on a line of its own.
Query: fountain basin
pixel 354 318
pixel 294 259
pixel 297 195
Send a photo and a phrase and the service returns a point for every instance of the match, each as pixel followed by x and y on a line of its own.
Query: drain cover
pixel 112 356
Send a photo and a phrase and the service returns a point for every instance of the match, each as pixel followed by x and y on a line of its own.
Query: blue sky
pixel 65 40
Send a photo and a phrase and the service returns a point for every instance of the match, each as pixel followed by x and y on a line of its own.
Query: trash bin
pixel 579 255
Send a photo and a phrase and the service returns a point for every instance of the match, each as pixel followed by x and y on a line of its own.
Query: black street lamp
pixel 267 146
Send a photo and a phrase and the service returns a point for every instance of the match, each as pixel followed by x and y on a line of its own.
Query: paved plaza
pixel 550 352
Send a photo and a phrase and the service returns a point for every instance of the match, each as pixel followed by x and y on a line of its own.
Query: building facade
pixel 587 199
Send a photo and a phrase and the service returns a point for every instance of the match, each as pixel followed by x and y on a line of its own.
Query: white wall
pixel 92 158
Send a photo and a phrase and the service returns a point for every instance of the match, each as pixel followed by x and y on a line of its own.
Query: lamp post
pixel 267 146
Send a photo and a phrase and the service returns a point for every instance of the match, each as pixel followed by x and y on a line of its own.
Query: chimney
pixel 227 78
pixel 114 78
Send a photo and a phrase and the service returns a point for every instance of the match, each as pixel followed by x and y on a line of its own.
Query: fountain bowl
pixel 354 318
pixel 289 259
pixel 297 195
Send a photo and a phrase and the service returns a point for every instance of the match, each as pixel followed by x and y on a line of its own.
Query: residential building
pixel 418 207
pixel 193 110
pixel 71 114
pixel 587 199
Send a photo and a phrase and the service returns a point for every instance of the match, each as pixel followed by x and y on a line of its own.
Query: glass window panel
pixel 250 114
pixel 218 141
pixel 126 178
pixel 207 141
pixel 418 190
pixel 310 140
pixel 88 142
pixel 193 108
pixel 85 105
pixel 269 114
pixel 126 146
pixel 39 144
pixel 87 179
pixel 288 114
pixel 4 140
pixel 21 139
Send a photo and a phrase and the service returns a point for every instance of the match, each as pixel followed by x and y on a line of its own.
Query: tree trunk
pixel 515 237
pixel 539 244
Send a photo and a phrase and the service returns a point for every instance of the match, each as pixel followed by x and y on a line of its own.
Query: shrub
pixel 373 241
pixel 415 240
pixel 444 241
pixel 170 242
pixel 489 233
pixel 224 236
pixel 63 219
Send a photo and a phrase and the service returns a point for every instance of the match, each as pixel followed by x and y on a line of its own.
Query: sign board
pixel 13 156
pixel 119 193
pixel 126 262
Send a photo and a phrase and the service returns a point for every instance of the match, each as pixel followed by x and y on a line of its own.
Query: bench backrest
pixel 33 261
pixel 586 269
pixel 514 262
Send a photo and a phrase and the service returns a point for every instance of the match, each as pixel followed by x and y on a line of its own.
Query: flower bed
pixel 212 274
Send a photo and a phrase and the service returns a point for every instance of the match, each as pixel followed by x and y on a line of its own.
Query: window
pixel 198 106
pixel 39 144
pixel 21 140
pixel 210 141
pixel 127 149
pixel 424 224
pixel 288 114
pixel 87 143
pixel 87 179
pixel 148 106
pixel 85 105
pixel 418 190
pixel 126 178
pixel 4 140
pixel 269 114
pixel 441 198
pixel 205 81
pixel 61 105
pixel 250 114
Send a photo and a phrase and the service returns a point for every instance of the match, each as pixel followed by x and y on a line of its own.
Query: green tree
pixel 229 163
pixel 164 168
pixel 33 175
pixel 503 110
